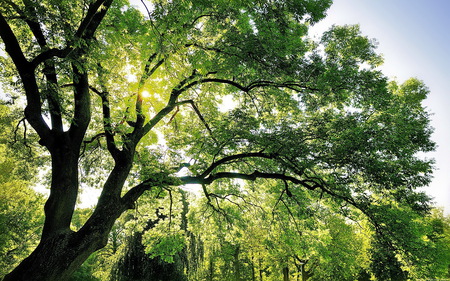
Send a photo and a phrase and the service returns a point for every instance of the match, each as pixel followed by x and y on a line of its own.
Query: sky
pixel 414 38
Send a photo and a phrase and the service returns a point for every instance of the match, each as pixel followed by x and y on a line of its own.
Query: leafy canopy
pixel 137 96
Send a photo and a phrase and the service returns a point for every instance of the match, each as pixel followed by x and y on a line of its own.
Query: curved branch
pixel 139 132
pixel 251 177
pixel 296 86
pixel 163 179
pixel 225 81
pixel 50 53
pixel 12 47
pixel 26 71
pixel 236 157
pixel 158 179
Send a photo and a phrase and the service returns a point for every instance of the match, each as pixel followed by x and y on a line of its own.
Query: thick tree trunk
pixel 60 254
pixel 61 250
pixel 57 257
pixel 60 205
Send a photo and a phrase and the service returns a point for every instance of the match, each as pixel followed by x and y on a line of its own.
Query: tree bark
pixel 57 257
pixel 286 273
pixel 61 250
pixel 211 269
pixel 236 264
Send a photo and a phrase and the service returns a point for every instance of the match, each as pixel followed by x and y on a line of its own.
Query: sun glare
pixel 145 94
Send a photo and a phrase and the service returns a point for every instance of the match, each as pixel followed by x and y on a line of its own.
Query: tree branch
pixel 93 18
pixel 251 177
pixel 107 125
pixel 149 71
pixel 49 70
pixel 26 71
pixel 50 53
pixel 296 86
pixel 199 114
pixel 82 100
pixel 157 179
pixel 51 93
pixel 138 133
pixel 236 157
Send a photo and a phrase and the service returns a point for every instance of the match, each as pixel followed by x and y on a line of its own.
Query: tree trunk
pixel 253 269
pixel 260 270
pixel 57 257
pixel 236 265
pixel 211 269
pixel 286 273
pixel 305 274
pixel 61 250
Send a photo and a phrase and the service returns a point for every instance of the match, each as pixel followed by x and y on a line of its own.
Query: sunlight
pixel 145 94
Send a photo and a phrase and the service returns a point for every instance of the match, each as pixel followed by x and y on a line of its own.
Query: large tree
pixel 123 100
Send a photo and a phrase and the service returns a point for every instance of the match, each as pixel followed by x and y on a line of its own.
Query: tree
pixel 19 225
pixel 103 84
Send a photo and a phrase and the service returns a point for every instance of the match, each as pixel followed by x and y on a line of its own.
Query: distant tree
pixel 132 98
pixel 21 214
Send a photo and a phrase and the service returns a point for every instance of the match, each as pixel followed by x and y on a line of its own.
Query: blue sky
pixel 414 38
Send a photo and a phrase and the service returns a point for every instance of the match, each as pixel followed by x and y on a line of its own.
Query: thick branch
pixel 50 53
pixel 82 112
pixel 259 84
pixel 26 72
pixel 12 47
pixel 51 93
pixel 159 179
pixel 235 157
pixel 162 179
pixel 94 16
pixel 251 177
pixel 171 104
pixel 85 31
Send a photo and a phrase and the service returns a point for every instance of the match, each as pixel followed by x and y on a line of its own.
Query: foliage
pixel 21 216
pixel 138 100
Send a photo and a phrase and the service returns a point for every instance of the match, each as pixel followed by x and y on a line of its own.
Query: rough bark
pixel 57 257
pixel 61 251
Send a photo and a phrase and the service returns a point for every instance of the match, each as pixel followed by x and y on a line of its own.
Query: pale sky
pixel 414 38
